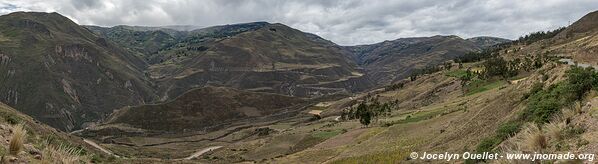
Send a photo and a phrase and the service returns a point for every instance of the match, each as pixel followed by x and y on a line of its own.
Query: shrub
pixel 487 144
pixel 508 129
pixel 12 119
pixel 544 104
pixel 581 81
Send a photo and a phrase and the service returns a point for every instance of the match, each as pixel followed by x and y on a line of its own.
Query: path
pixel 99 147
pixel 583 65
pixel 199 153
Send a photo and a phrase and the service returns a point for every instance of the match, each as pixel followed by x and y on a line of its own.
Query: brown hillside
pixel 205 109
pixel 63 74
pixel 274 58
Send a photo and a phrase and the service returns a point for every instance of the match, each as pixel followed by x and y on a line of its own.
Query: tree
pixel 364 114
pixel 498 66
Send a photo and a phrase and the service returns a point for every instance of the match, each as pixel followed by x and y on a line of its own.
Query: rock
pixel 32 150
pixel 9 159
pixel 38 156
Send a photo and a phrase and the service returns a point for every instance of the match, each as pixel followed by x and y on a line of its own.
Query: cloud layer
pixel 346 22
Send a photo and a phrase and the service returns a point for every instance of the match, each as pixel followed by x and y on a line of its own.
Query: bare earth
pixel 202 151
pixel 99 147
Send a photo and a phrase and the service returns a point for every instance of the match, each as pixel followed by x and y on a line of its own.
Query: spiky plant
pixel 17 140
pixel 554 130
pixel 62 154
pixel 533 138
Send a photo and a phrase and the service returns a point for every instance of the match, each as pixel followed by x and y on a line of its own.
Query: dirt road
pixel 99 147
pixel 202 151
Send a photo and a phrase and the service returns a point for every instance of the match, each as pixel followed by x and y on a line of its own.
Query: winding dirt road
pixel 99 147
pixel 202 151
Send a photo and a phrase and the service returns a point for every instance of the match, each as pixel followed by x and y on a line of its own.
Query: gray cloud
pixel 346 22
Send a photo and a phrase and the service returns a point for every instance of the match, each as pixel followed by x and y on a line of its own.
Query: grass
pixel 62 154
pixel 317 108
pixel 396 156
pixel 17 140
pixel 503 132
pixel 457 73
pixel 479 86
pixel 555 130
pixel 534 139
pixel 327 134
pixel 420 116
pixel 306 142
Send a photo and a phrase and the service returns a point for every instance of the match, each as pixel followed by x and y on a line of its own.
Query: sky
pixel 345 22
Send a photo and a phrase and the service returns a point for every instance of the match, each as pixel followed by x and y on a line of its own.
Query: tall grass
pixel 533 139
pixel 17 140
pixel 63 154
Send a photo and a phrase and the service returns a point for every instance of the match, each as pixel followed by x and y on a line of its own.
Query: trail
pixel 202 151
pixel 583 65
pixel 99 147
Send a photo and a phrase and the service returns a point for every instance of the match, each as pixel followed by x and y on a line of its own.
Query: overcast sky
pixel 346 22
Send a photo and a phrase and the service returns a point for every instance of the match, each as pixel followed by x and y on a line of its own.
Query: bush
pixel 537 87
pixel 12 119
pixel 487 144
pixel 508 129
pixel 581 81
pixel 544 104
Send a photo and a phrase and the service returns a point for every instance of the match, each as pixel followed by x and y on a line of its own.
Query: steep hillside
pixel 193 42
pixel 63 74
pixel 181 127
pixel 587 24
pixel 389 61
pixel 149 41
pixel 206 108
pixel 42 143
pixel 271 58
pixel 146 42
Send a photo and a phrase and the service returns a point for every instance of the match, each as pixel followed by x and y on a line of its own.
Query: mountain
pixel 587 24
pixel 63 74
pixel 487 41
pixel 145 42
pixel 579 41
pixel 208 109
pixel 394 60
pixel 268 58
pixel 256 56
pixel 266 93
